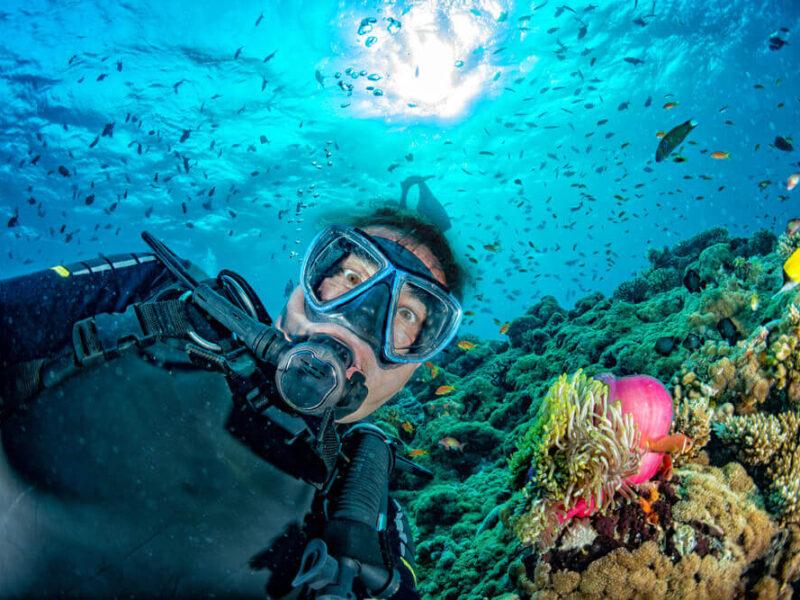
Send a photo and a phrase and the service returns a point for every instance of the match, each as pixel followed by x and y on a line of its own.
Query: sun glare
pixel 433 65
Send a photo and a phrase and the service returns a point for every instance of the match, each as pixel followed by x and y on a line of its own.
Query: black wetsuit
pixel 128 478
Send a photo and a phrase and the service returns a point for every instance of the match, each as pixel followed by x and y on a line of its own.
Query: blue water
pixel 502 113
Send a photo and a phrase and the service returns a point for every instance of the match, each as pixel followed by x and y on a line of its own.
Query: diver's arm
pixel 37 311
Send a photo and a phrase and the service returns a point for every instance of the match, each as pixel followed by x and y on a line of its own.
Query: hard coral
pixel 762 439
pixel 725 540
pixel 580 448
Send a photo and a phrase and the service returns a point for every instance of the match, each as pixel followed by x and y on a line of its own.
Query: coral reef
pixel 707 532
pixel 709 546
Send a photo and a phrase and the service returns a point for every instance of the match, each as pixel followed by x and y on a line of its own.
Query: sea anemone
pixel 581 449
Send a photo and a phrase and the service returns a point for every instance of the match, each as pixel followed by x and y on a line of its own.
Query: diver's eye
pixel 407 315
pixel 351 277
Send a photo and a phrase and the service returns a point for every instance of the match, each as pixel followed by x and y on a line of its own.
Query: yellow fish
pixel 444 389
pixel 407 426
pixel 754 302
pixel 466 345
pixel 503 329
pixel 417 452
pixel 791 272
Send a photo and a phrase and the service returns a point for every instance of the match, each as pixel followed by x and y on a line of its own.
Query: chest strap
pixel 103 336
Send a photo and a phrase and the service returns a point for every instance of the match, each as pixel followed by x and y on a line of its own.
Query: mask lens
pixel 342 266
pixel 421 319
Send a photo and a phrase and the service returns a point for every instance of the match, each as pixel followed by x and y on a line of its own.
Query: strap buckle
pixel 103 336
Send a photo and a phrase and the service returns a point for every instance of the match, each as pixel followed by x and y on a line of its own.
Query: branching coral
pixel 693 414
pixel 788 244
pixel 763 439
pixel 580 447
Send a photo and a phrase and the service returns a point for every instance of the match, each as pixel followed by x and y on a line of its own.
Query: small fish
pixel 504 329
pixel 63 170
pixel 673 139
pixel 669 105
pixel 785 144
pixel 775 42
pixel 660 134
pixel 791 272
pixel 792 181
pixel 444 389
pixel 728 331
pixel 469 313
pixel 720 155
pixel 466 345
pixel 451 443
pixel 633 60
pixel 490 247
pixel 754 302
pixel 693 282
pixel 434 370
pixel 792 227
pixel 692 342
pixel 407 426
pixel 664 345
pixel 417 452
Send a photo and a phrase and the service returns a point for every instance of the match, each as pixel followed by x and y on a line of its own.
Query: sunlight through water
pixel 424 60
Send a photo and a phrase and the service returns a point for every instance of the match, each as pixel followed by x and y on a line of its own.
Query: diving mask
pixel 381 291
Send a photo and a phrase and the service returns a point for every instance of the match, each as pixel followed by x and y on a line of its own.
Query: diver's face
pixel 382 384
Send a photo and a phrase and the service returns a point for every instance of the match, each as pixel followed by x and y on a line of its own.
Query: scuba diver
pixel 161 437
pixel 427 204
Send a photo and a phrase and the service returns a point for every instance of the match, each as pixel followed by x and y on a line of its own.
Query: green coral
pixel 774 441
pixel 580 446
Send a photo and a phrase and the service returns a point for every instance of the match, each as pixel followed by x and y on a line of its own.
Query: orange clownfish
pixel 444 389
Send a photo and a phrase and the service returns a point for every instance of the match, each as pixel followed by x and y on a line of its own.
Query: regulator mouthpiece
pixel 312 375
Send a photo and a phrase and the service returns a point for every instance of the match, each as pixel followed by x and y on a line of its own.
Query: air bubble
pixel 394 25
pixel 371 41
pixel 366 25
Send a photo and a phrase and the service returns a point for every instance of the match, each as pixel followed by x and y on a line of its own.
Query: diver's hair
pixel 419 229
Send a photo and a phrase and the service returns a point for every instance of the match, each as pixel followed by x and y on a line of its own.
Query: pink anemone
pixel 651 406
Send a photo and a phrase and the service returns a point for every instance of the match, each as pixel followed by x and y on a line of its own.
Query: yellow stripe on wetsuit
pixel 414 575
